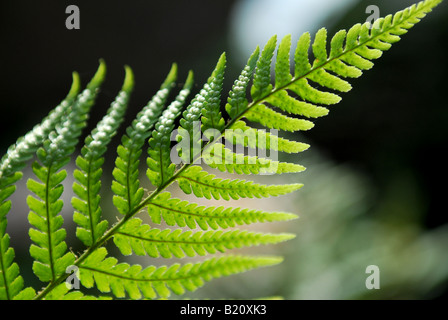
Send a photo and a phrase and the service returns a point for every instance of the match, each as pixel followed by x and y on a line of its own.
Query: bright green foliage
pixel 25 147
pixel 224 160
pixel 126 185
pixel 262 86
pixel 274 120
pixel 88 214
pixel 183 213
pixel 151 282
pixel 205 103
pixel 298 94
pixel 160 167
pixel 62 292
pixel 237 101
pixel 211 114
pixel 243 135
pixel 203 184
pixel 11 283
pixel 141 239
pixel 49 249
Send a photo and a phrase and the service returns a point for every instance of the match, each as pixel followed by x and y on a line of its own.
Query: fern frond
pixel 142 239
pixel 350 54
pixel 151 282
pixel 299 91
pixel 160 166
pixel 49 249
pixel 126 185
pixel 202 184
pixel 88 214
pixel 223 159
pixel 183 213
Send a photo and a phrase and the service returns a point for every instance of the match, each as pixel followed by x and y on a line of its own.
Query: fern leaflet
pixel 151 282
pixel 126 185
pixel 183 213
pixel 141 239
pixel 88 214
pixel 50 250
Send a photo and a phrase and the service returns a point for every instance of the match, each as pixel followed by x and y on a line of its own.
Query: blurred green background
pixel 375 191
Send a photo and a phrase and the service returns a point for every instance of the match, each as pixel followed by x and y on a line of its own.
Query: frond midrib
pixel 92 227
pixel 208 185
pixel 49 233
pixel 202 242
pixel 2 265
pixel 128 178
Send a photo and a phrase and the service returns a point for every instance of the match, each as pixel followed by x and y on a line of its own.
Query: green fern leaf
pixel 282 66
pixel 274 120
pixel 88 214
pixel 262 78
pixel 160 166
pixel 202 184
pixel 205 104
pixel 225 160
pixel 183 213
pixel 26 294
pixel 211 114
pixel 350 53
pixel 62 292
pixel 279 106
pixel 142 239
pixel 50 250
pixel 11 283
pixel 126 185
pixel 237 101
pixel 25 147
pixel 151 282
pixel 243 135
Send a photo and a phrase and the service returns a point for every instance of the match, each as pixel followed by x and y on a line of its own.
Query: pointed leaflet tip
pixel 76 85
pixel 252 61
pixel 128 83
pixel 98 78
pixel 170 78
pixel 271 42
pixel 219 68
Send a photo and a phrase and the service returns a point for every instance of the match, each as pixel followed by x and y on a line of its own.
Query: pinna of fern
pixel 205 133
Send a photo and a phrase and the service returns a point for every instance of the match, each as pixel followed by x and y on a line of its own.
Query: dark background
pixel 393 125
